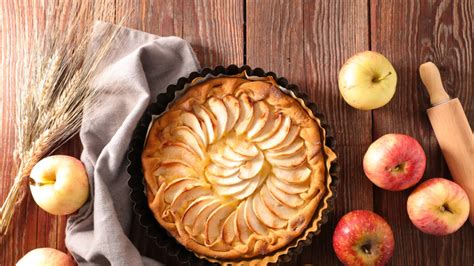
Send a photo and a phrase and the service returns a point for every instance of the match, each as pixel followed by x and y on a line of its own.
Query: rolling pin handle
pixel 431 77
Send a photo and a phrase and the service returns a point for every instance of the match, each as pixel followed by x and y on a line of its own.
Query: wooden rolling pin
pixel 452 130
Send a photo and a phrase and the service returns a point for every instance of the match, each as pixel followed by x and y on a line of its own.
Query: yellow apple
pixel 59 184
pixel 46 257
pixel 367 81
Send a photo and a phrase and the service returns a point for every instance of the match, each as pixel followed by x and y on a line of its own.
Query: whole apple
pixel 438 206
pixel 59 184
pixel 394 162
pixel 363 238
pixel 46 257
pixel 367 80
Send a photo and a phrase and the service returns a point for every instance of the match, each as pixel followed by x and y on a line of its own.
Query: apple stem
pixel 382 78
pixel 445 208
pixel 366 249
pixel 39 184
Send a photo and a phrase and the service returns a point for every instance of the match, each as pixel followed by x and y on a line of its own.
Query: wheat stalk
pixel 56 90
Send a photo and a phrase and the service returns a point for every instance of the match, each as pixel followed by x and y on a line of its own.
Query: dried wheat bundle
pixel 56 88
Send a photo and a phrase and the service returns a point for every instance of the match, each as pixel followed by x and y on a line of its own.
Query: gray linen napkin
pixel 140 67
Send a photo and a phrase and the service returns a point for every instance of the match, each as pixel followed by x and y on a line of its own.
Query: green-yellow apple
pixel 59 184
pixel 367 80
pixel 46 257
pixel 394 162
pixel 438 206
pixel 363 238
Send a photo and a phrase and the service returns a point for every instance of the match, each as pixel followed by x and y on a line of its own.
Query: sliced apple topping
pixel 247 191
pixel 252 167
pixel 225 180
pixel 203 214
pixel 175 169
pixel 286 187
pixel 290 138
pixel 180 151
pixel 209 121
pixel 293 176
pixel 243 231
pixel 271 126
pixel 228 231
pixel 177 185
pixel 220 113
pixel 191 121
pixel 278 137
pixel 187 195
pixel 246 114
pixel 219 159
pixel 296 146
pixel 230 154
pixel 188 137
pixel 243 148
pixel 266 216
pixel 290 161
pixel 215 170
pixel 233 111
pixel 275 206
pixel 215 222
pixel 231 189
pixel 291 200
pixel 252 221
pixel 190 214
pixel 260 117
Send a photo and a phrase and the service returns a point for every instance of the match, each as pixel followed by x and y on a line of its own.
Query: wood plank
pixel 307 42
pixel 410 33
pixel 215 31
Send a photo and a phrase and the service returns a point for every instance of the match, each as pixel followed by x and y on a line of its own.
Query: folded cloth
pixel 140 66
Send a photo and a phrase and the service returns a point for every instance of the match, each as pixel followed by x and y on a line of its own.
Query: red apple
pixel 438 206
pixel 46 256
pixel 363 238
pixel 394 162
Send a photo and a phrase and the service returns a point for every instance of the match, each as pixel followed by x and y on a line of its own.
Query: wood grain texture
pixel 410 33
pixel 307 42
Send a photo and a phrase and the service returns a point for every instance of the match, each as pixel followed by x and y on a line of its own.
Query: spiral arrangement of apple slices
pixel 234 175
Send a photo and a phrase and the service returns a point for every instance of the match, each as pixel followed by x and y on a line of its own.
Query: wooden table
pixel 307 42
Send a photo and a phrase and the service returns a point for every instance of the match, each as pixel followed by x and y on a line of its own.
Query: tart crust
pixel 212 212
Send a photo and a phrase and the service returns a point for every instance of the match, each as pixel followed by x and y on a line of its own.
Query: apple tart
pixel 234 168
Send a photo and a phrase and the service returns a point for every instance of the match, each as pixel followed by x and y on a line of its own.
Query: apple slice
pixel 275 206
pixel 174 169
pixel 228 231
pixel 260 118
pixel 288 162
pixel 278 137
pixel 220 113
pixel 231 189
pixel 225 181
pixel 270 128
pixel 290 138
pixel 246 114
pixel 200 221
pixel 266 216
pixel 252 167
pixel 209 121
pixel 292 200
pixel 188 137
pixel 215 222
pixel 233 111
pixel 187 195
pixel 191 121
pixel 294 176
pixel 190 214
pixel 243 231
pixel 175 186
pixel 247 191
pixel 252 221
pixel 180 151
pixel 219 159
pixel 216 170
pixel 230 154
pixel 293 148
pixel 288 188
pixel 246 149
